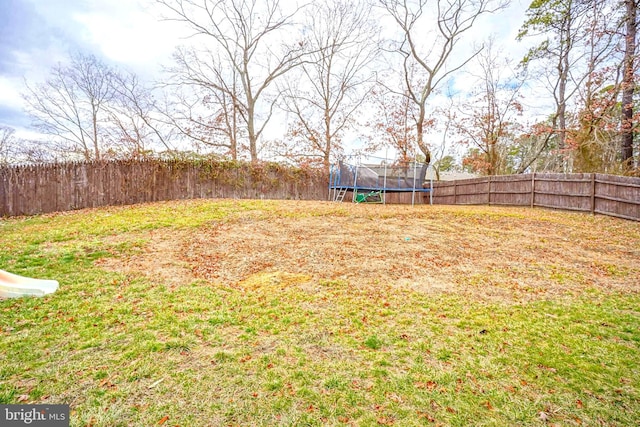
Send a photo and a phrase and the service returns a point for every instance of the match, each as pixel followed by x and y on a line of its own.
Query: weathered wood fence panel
pixel 509 190
pixel 570 192
pixel 34 189
pixel 611 195
pixel 616 195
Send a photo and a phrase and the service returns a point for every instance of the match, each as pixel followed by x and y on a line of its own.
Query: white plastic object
pixel 14 286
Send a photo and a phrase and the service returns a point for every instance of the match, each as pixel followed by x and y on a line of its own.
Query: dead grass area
pixel 506 253
pixel 156 255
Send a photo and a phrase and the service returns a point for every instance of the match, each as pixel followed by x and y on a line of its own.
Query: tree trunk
pixel 96 148
pixel 420 129
pixel 234 121
pixel 563 74
pixel 327 138
pixel 493 157
pixel 253 139
pixel 628 84
pixel 234 132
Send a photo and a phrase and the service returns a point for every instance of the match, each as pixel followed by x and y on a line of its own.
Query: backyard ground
pixel 260 313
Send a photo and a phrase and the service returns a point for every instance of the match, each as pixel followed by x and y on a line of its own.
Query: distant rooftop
pixel 450 176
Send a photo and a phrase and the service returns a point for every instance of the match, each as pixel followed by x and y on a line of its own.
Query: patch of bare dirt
pixel 160 259
pixel 491 253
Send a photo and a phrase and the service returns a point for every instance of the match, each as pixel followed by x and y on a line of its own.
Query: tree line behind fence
pixel 35 189
pixel 612 195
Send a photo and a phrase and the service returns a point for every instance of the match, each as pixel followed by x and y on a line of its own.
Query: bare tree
pixel 249 34
pixel 135 127
pixel 444 125
pixel 206 99
pixel 335 82
pixel 71 104
pixel 488 120
pixel 16 150
pixel 7 144
pixel 431 53
pixel 33 151
pixel 394 123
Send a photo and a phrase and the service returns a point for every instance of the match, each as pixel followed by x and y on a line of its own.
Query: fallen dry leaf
pixel 429 385
pixel 426 416
pixel 385 421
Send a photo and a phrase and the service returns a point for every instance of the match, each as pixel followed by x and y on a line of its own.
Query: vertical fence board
pixel 4 186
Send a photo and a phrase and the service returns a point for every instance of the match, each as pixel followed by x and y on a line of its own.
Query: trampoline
pixel 370 182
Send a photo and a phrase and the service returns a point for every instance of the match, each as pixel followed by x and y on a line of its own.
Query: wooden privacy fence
pixel 34 189
pixel 611 195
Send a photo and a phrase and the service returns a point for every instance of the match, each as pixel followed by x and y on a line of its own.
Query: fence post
pixel 533 189
pixel 455 192
pixel 593 194
pixel 489 191
pixel 3 199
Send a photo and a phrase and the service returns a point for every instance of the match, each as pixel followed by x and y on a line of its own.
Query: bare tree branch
pixel 433 64
pixel 248 34
pixel 71 104
pixel 335 81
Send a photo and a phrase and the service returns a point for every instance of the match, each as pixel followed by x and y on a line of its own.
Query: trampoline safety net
pixel 369 182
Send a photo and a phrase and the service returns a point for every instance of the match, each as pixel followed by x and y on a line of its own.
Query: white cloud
pixel 126 33
pixel 29 135
pixel 10 89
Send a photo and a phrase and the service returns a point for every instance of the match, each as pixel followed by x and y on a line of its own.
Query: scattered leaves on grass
pixel 427 416
pixel 183 292
pixel 385 421
pixel 429 385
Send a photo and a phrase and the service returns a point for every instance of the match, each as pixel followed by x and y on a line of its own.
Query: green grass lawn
pixel 260 313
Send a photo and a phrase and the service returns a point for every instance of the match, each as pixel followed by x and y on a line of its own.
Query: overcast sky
pixel 37 34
